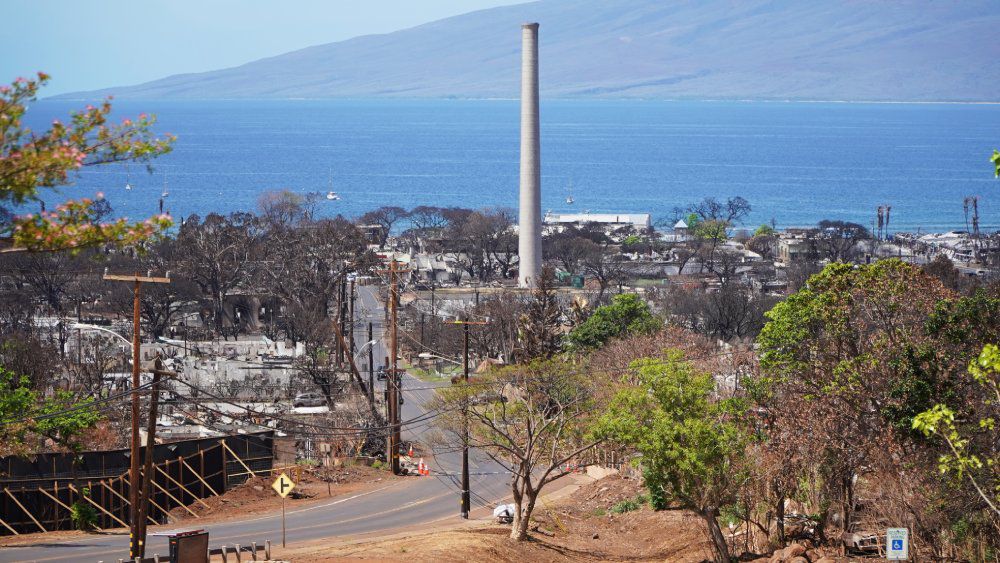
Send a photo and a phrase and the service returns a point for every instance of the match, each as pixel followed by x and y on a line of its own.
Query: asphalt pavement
pixel 400 504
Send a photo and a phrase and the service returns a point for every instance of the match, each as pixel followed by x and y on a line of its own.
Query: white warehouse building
pixel 609 221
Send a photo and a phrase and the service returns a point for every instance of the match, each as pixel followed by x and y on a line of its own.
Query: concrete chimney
pixel 529 244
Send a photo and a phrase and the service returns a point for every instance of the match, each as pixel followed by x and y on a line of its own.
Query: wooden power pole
pixel 393 380
pixel 137 542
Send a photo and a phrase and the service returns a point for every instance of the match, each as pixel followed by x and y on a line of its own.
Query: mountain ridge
pixel 910 50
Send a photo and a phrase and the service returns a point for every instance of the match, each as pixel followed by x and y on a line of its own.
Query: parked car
pixel 309 400
pixel 380 374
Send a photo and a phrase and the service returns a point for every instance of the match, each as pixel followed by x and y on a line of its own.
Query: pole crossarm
pixel 135 278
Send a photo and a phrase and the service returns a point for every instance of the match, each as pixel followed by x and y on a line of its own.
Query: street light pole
pixel 466 486
pixel 466 500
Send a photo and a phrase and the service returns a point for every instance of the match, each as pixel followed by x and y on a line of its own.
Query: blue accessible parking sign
pixel 897 544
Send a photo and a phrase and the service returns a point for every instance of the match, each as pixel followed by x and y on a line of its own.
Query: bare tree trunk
pixel 779 510
pixel 519 529
pixel 721 548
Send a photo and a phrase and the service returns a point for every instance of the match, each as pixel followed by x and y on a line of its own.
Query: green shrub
pixel 83 515
pixel 629 504
pixel 627 314
pixel 377 464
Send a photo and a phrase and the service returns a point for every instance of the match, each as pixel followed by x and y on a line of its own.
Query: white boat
pixel 332 195
pixel 569 190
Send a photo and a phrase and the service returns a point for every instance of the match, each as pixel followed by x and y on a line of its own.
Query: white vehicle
pixel 309 400
pixel 504 513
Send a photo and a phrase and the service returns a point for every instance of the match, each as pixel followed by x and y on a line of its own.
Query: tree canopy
pixel 690 446
pixel 23 414
pixel 626 314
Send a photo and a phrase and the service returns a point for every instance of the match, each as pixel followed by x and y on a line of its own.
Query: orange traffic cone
pixel 410 453
pixel 420 467
pixel 427 469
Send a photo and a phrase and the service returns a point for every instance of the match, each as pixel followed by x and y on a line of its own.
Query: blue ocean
pixel 797 163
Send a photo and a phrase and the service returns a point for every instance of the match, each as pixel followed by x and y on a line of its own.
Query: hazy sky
pixel 94 44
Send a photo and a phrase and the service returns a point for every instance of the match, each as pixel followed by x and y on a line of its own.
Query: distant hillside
pixel 782 49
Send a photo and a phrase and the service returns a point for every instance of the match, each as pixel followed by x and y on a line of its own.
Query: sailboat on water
pixel 569 192
pixel 332 195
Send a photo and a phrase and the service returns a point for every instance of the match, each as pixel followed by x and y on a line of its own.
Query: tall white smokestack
pixel 529 244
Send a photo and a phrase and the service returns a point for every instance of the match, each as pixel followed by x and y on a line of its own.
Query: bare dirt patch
pixel 582 526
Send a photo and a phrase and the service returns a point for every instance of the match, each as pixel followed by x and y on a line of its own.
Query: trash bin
pixel 190 546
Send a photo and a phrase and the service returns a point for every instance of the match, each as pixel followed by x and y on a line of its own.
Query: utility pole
pixel 466 493
pixel 350 343
pixel 393 379
pixel 340 317
pixel 147 468
pixel 137 542
pixel 466 500
pixel 371 365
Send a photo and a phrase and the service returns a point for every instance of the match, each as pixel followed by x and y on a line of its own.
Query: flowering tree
pixel 30 162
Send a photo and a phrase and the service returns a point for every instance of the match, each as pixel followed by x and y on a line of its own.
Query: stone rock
pixel 794 550
pixel 826 559
pixel 258 488
pixel 595 536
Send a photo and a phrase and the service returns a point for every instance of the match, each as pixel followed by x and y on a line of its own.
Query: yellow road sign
pixel 283 485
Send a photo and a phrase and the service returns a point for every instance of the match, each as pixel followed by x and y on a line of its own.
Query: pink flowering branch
pixel 31 161
pixel 73 225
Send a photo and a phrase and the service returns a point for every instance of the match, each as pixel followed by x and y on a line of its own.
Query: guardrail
pixel 221 553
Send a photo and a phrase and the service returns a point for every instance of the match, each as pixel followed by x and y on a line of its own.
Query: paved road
pixel 401 504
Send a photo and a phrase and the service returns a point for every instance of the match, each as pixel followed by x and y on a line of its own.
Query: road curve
pixel 399 504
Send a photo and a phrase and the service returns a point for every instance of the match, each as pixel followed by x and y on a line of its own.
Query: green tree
pixel 995 159
pixel 31 162
pixel 764 230
pixel 24 415
pixel 691 447
pixel 971 437
pixel 846 365
pixel 626 314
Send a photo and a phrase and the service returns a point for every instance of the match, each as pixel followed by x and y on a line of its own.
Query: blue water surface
pixel 796 163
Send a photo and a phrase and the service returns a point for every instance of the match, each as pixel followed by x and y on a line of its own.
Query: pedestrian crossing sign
pixel 283 485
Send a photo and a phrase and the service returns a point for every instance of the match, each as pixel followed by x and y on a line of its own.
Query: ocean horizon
pixel 796 162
